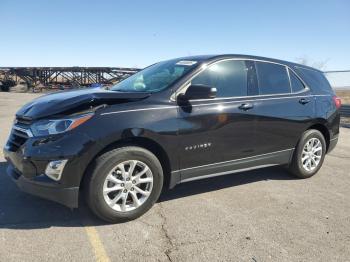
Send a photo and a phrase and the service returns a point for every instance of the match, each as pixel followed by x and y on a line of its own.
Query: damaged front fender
pixel 76 100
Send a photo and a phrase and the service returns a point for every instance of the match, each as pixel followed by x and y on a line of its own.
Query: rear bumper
pixel 42 187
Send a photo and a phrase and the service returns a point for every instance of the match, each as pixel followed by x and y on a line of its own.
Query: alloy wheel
pixel 128 185
pixel 311 154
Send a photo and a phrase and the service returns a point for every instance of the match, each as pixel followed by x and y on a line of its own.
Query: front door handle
pixel 304 101
pixel 246 106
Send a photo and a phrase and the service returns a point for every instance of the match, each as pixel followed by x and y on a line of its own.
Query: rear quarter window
pixel 297 85
pixel 315 80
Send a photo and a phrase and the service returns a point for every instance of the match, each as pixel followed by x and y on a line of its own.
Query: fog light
pixel 55 168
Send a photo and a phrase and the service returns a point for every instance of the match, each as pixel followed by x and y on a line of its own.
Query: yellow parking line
pixel 95 241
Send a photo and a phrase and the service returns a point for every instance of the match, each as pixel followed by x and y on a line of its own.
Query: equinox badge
pixel 199 146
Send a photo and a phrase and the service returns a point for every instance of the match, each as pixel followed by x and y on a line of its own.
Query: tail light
pixel 337 102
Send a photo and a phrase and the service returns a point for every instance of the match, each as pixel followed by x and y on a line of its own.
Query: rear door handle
pixel 246 106
pixel 304 101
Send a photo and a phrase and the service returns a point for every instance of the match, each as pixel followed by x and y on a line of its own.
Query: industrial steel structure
pixel 74 76
pixel 50 77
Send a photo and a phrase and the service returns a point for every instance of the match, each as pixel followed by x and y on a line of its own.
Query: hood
pixel 75 100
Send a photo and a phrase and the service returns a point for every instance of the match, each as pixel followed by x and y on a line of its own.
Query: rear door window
pixel 272 78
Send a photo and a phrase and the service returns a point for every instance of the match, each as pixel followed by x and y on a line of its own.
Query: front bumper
pixel 41 186
pixel 27 166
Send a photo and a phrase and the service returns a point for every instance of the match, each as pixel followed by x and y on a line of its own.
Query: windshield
pixel 156 77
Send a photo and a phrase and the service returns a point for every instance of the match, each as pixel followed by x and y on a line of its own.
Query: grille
pixel 20 133
pixel 21 121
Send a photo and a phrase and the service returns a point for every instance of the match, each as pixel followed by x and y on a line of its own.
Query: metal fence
pixel 345 110
pixel 339 79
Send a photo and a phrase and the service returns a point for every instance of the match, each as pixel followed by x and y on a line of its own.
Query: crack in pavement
pixel 170 243
pixel 145 223
pixel 337 156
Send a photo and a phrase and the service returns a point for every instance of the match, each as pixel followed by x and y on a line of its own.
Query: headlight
pixel 56 126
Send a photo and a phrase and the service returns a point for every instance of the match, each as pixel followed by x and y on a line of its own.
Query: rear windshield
pixel 315 79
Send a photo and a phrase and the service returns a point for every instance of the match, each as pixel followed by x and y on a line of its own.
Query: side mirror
pixel 199 92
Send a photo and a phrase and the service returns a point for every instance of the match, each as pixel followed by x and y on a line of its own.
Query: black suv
pixel 175 121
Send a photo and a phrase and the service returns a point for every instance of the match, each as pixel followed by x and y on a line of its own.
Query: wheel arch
pixel 143 142
pixel 324 131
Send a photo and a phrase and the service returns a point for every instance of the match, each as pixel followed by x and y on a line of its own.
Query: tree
pixel 305 60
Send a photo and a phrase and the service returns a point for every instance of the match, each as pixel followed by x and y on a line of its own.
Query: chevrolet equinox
pixel 172 122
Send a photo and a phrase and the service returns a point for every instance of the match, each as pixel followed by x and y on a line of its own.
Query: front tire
pixel 309 154
pixel 124 183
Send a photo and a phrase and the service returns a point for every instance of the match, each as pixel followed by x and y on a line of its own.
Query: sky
pixel 139 33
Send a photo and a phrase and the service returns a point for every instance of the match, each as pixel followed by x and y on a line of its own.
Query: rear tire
pixel 109 179
pixel 309 154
